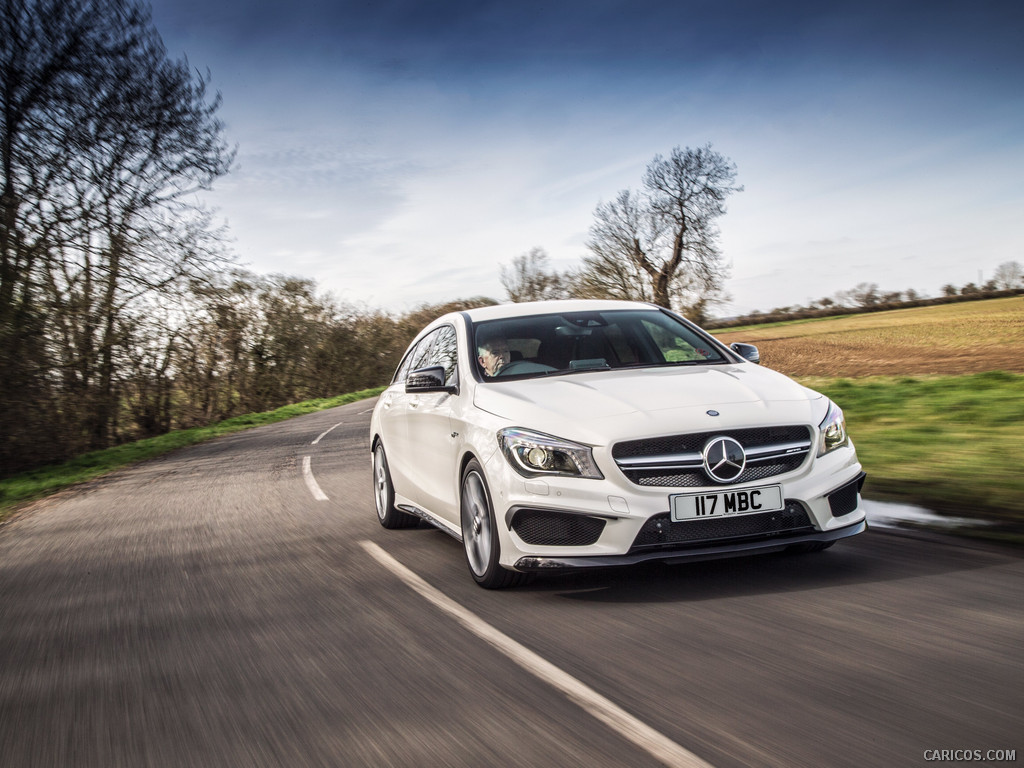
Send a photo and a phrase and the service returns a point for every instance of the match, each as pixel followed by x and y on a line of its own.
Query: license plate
pixel 701 506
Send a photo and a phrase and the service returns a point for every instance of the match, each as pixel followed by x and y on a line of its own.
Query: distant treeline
pixel 783 314
pixel 222 347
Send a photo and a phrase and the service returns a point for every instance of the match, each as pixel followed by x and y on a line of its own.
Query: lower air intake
pixel 660 531
pixel 546 528
pixel 844 500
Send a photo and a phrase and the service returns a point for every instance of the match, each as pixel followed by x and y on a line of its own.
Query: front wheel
pixel 480 534
pixel 384 494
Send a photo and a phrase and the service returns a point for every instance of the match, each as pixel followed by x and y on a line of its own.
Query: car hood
pixel 596 407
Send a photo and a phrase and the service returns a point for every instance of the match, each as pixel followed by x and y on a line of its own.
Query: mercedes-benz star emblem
pixel 724 459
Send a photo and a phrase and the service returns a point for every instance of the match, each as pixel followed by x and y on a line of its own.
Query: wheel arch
pixel 467 456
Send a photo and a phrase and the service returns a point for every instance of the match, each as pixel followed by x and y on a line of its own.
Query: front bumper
pixel 690 553
pixel 574 523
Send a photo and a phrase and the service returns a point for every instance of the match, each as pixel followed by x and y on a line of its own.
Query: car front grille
pixel 542 527
pixel 676 461
pixel 660 532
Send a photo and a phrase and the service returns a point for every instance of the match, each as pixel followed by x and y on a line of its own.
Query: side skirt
pixel 437 522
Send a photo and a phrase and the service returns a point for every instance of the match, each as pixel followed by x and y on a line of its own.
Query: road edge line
pixel 622 722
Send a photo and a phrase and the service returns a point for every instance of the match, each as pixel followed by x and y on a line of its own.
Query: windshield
pixel 542 345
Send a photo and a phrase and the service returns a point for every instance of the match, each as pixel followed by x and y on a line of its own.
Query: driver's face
pixel 492 360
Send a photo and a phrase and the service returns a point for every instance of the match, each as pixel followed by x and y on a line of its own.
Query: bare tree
pixel 618 237
pixel 216 337
pixel 152 123
pixel 865 295
pixel 46 49
pixel 602 277
pixel 529 278
pixel 661 242
pixel 102 141
pixel 1009 275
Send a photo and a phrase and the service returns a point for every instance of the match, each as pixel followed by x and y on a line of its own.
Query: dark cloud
pixel 460 37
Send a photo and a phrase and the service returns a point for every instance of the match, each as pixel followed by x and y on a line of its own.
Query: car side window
pixel 403 370
pixel 445 354
pixel 416 358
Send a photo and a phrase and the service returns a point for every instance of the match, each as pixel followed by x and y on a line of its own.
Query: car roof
pixel 527 308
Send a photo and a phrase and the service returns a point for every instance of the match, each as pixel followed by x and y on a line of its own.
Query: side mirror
pixel 430 379
pixel 747 351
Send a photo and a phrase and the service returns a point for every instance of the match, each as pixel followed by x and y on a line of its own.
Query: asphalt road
pixel 206 609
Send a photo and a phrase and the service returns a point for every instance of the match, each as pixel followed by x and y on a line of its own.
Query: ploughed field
pixel 969 337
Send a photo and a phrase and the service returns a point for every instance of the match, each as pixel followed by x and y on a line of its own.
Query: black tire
pixel 384 494
pixel 480 533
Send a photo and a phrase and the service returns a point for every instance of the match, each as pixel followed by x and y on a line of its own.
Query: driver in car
pixel 493 355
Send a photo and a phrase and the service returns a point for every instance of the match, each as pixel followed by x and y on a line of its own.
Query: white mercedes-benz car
pixel 566 434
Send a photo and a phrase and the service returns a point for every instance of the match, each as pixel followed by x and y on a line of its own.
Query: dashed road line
pixel 635 730
pixel 325 433
pixel 307 474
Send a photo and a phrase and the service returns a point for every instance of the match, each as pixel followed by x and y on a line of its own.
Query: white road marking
pixel 324 433
pixel 307 474
pixel 368 410
pixel 651 741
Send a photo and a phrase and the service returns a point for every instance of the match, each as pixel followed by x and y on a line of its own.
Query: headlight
pixel 533 454
pixel 833 430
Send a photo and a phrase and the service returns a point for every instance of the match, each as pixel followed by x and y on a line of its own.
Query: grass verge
pixel 949 443
pixel 38 483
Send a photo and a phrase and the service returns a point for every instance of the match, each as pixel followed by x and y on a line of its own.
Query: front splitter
pixel 535 563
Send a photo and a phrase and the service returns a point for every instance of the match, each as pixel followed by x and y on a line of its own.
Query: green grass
pixel 949 443
pixel 41 482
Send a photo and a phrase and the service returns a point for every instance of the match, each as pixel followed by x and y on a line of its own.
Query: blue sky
pixel 400 152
